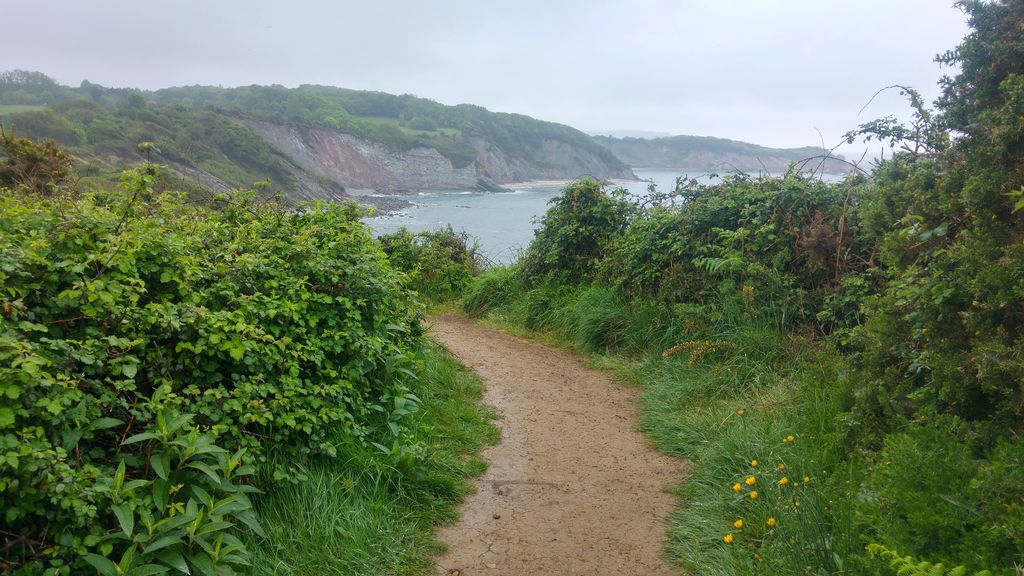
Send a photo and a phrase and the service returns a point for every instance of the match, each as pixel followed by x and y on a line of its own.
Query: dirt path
pixel 571 488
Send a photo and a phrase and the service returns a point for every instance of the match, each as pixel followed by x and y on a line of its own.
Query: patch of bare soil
pixel 572 488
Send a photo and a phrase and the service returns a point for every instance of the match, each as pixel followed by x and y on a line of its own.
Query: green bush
pixel 919 493
pixel 439 263
pixel 154 352
pixel 575 232
pixel 783 245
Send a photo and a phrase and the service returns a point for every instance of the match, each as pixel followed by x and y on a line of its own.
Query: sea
pixel 502 222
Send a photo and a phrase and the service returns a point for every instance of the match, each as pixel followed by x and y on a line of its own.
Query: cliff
pixel 358 164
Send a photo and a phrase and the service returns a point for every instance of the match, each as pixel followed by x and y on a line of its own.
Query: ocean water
pixel 503 222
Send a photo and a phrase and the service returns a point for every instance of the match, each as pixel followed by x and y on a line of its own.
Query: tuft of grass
pixel 359 515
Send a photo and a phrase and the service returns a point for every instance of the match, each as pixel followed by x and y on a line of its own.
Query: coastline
pixel 553 183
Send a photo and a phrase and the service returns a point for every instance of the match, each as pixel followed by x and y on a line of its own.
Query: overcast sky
pixel 764 71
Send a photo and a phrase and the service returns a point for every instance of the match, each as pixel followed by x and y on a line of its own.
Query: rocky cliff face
pixel 552 160
pixel 356 164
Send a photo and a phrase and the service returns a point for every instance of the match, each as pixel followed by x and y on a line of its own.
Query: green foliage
pixel 421 123
pixel 374 115
pixel 440 263
pixel 22 87
pixel 912 439
pixel 45 124
pixel 154 353
pixel 783 245
pixel 575 231
pixel 357 514
pixel 944 336
pixel 908 566
pixel 786 248
pixel 929 494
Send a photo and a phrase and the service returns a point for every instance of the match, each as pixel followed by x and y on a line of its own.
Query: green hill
pixel 310 141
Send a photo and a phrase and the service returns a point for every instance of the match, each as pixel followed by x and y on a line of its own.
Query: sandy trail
pixel 572 488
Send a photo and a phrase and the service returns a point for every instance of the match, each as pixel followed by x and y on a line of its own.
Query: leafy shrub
pixel 908 566
pixel 926 493
pixel 782 244
pixel 439 263
pixel 575 231
pixel 944 336
pixel 919 493
pixel 153 352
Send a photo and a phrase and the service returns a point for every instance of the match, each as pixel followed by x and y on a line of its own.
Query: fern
pixel 909 566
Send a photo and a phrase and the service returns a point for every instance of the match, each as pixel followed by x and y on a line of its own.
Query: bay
pixel 502 222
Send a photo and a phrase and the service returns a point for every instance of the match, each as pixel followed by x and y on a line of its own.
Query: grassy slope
pixel 360 517
pixel 105 140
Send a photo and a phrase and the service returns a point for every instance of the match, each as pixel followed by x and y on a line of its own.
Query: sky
pixel 773 72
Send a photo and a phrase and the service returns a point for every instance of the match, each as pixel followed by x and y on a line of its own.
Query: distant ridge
pixel 647 134
pixel 709 154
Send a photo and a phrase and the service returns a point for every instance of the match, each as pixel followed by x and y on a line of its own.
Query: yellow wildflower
pixel 807 479
pixel 784 481
pixel 736 487
pixel 790 438
pixel 738 524
pixel 753 463
pixel 741 412
pixel 753 495
pixel 782 467
pixel 750 480
pixel 772 522
pixel 727 538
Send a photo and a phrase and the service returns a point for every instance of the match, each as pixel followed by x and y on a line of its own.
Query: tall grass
pixel 361 516
pixel 722 391
pixel 734 388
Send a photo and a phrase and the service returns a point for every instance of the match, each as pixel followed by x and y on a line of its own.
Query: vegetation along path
pixel 572 488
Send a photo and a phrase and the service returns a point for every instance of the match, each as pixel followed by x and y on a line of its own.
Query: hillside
pixel 310 141
pixel 705 153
